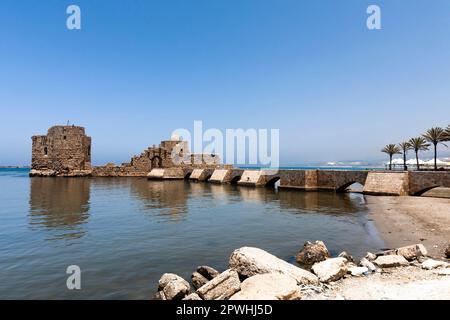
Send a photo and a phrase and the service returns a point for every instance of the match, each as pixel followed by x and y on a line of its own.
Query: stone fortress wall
pixel 66 151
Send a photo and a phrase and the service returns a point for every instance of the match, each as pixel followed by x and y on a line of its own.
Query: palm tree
pixel 418 144
pixel 435 136
pixel 447 133
pixel 404 147
pixel 391 149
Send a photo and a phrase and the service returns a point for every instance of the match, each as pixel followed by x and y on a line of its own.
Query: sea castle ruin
pixel 65 151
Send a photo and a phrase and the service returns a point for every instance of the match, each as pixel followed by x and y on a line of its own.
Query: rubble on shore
pixel 255 274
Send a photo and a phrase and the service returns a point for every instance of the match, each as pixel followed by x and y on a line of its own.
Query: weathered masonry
pixel 374 182
pixel 66 151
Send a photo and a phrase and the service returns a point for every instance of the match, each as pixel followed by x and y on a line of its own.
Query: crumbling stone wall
pixel 66 151
pixel 63 150
pixel 159 157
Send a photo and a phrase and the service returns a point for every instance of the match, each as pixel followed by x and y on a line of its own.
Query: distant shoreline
pixel 15 167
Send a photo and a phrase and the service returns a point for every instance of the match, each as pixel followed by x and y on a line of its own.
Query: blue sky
pixel 137 70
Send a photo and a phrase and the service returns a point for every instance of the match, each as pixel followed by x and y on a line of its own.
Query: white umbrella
pixel 438 162
pixel 414 162
pixel 397 161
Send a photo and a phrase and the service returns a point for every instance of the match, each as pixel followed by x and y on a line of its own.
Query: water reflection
pixel 167 200
pixel 306 202
pixel 61 205
pixel 321 202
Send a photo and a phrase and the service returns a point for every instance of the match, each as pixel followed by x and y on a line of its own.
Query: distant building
pixel 63 150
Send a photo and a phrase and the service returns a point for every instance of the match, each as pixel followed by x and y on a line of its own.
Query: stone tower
pixel 62 151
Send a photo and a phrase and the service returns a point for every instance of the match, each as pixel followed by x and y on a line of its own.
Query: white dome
pixel 175 137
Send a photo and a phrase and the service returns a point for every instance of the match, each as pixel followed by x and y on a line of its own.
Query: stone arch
pixel 156 162
pixel 343 187
pixel 422 191
pixel 272 181
pixel 235 179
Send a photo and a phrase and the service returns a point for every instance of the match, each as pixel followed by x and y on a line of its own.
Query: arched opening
pixel 352 186
pixel 424 191
pixel 437 192
pixel 272 183
pixel 235 180
pixel 45 151
pixel 156 162
pixel 187 176
pixel 208 177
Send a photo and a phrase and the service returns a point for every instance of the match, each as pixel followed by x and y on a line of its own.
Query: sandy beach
pixel 403 221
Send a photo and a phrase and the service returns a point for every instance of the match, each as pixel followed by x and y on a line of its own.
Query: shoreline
pixel 404 220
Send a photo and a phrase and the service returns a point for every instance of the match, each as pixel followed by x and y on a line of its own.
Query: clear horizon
pixel 138 70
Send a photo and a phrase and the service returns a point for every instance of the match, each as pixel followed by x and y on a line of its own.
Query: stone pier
pixel 169 173
pixel 375 182
pixel 226 175
pixel 201 174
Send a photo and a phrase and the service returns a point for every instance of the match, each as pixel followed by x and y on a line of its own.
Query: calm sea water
pixel 125 232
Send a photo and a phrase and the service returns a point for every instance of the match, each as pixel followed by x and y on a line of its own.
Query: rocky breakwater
pixel 254 274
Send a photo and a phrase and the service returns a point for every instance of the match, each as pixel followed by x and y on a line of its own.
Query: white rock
pixel 168 277
pixel 248 261
pixel 331 269
pixel 221 287
pixel 269 286
pixel 433 264
pixel 369 265
pixel 370 256
pixel 173 286
pixel 358 271
pixel 390 261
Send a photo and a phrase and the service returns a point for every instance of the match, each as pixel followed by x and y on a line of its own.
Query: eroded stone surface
pixel 249 261
pixel 390 261
pixel 269 286
pixel 198 280
pixel 433 264
pixel 370 256
pixel 312 253
pixel 369 265
pixel 192 296
pixel 203 275
pixel 208 272
pixel 221 287
pixel 412 252
pixel 331 269
pixel 173 286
